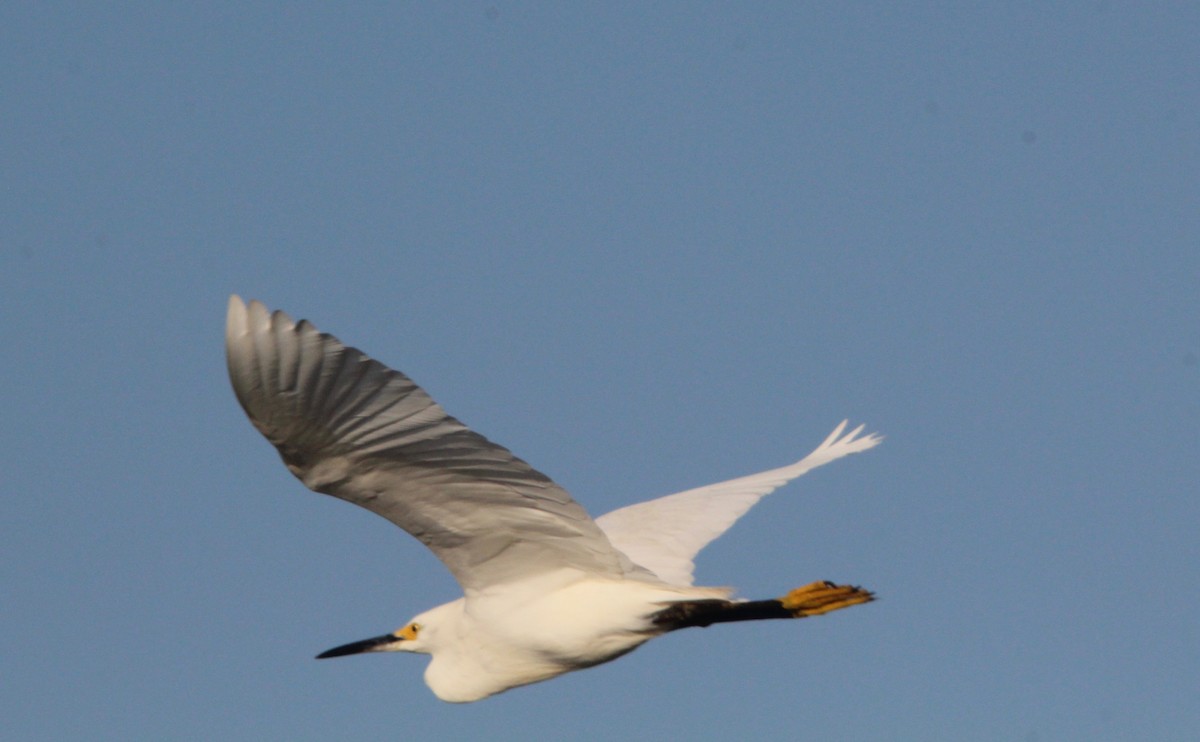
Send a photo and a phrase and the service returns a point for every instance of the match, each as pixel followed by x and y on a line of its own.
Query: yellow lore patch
pixel 408 632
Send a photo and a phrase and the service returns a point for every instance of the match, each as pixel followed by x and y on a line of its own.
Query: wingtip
pixel 251 317
pixel 840 438
pixel 235 317
pixel 258 316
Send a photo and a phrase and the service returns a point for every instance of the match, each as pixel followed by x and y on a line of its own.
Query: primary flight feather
pixel 546 589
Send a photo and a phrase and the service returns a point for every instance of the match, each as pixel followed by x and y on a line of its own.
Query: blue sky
pixel 647 248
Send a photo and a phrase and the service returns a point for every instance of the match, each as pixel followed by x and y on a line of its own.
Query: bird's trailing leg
pixel 813 599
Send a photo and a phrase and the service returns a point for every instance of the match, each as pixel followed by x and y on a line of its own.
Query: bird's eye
pixel 409 632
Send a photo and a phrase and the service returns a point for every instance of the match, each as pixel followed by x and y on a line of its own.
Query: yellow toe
pixel 822 597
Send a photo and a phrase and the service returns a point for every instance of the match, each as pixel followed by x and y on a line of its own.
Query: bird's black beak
pixel 374 644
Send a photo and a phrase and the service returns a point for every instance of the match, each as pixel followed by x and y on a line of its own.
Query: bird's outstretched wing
pixel 664 535
pixel 348 426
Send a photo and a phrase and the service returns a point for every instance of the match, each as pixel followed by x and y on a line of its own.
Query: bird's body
pixel 546 589
pixel 491 643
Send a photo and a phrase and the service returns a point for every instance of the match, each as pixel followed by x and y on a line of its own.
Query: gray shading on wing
pixel 348 426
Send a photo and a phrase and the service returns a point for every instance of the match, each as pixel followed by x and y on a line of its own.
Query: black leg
pixel 707 612
pixel 811 600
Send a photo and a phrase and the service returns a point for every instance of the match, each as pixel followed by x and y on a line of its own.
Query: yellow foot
pixel 823 597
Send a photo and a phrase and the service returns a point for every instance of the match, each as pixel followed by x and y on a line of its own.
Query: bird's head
pixel 411 638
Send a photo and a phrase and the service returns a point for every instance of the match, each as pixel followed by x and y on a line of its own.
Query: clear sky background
pixel 647 247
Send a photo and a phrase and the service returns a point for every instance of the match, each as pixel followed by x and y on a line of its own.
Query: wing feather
pixel 664 535
pixel 348 426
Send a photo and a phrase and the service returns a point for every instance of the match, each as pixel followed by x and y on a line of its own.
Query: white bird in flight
pixel 546 589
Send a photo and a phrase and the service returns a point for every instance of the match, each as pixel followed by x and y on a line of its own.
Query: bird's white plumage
pixel 664 535
pixel 546 589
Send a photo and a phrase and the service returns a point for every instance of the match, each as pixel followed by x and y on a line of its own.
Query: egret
pixel 546 589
